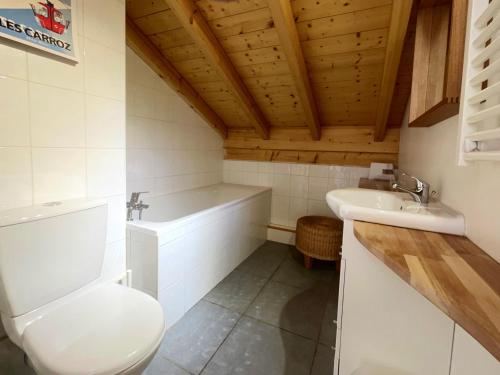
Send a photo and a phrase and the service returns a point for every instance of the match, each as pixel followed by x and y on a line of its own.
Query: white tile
pixel 299 186
pixel 250 178
pixel 105 172
pixel 104 22
pixel 140 163
pixel 15 177
pixel 116 218
pixel 57 117
pixel 114 260
pixel 265 167
pixel 265 179
pixel 14 126
pixel 104 71
pixel 140 101
pixel 105 122
pixel 319 207
pixel 250 166
pixel 281 168
pixel 318 187
pixel 337 183
pixel 79 17
pixel 13 61
pixel 318 170
pixel 140 184
pixel 300 169
pixel 298 208
pixel 279 209
pixel 281 184
pixel 339 172
pixel 55 72
pixel 58 174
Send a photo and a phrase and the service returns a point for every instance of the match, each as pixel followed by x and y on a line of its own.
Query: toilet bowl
pixel 53 303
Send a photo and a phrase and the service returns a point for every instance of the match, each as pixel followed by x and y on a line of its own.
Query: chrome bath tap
pixel 421 192
pixel 136 205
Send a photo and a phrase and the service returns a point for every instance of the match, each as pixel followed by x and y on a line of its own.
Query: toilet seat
pixel 105 331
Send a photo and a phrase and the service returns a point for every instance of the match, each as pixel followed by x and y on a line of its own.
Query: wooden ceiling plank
pixel 198 28
pixel 147 51
pixel 363 20
pixel 281 11
pixel 345 43
pixel 308 10
pixel 401 10
pixel 213 10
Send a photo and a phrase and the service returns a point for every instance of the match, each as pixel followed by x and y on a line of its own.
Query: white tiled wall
pixel 298 189
pixel 169 147
pixel 62 133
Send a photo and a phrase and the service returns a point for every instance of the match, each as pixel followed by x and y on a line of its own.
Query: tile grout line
pixel 242 315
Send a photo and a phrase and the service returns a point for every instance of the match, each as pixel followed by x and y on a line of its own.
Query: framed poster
pixel 43 24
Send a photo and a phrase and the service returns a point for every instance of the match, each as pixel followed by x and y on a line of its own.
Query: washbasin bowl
pixel 396 209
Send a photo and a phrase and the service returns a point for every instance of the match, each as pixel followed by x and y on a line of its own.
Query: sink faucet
pixel 136 204
pixel 421 192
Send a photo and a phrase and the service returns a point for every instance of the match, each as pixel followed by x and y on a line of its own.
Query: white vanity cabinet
pixel 385 327
pixel 471 358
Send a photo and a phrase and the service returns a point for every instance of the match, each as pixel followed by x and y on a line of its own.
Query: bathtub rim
pixel 158 228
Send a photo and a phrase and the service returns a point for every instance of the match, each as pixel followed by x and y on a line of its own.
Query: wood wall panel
pixel 362 159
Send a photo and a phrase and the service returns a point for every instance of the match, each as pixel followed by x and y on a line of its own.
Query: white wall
pixel 62 133
pixel 169 147
pixel 431 153
pixel 298 189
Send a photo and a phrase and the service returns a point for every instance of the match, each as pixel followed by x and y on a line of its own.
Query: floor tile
pixel 323 361
pixel 299 310
pixel 255 348
pixel 265 260
pixel 162 366
pixel 12 359
pixel 328 327
pixel 293 272
pixel 236 291
pixel 194 339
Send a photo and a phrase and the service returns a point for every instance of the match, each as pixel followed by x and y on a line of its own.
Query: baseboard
pixel 282 234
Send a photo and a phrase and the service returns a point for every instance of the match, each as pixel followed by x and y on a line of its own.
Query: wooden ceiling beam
pixel 282 13
pixel 199 29
pixel 400 17
pixel 150 54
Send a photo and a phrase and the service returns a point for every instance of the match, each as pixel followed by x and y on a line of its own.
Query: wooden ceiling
pixel 283 80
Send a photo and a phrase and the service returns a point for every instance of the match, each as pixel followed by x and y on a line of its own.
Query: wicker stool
pixel 319 237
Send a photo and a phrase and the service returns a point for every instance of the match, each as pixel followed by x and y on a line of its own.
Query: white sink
pixel 397 209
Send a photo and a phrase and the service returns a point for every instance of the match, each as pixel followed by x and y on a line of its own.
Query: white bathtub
pixel 189 241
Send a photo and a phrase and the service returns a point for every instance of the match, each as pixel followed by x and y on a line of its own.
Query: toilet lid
pixel 104 331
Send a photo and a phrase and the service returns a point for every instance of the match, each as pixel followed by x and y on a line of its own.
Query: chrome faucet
pixel 136 204
pixel 421 192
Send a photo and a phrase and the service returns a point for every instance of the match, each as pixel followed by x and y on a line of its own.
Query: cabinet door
pixel 339 318
pixel 387 326
pixel 469 357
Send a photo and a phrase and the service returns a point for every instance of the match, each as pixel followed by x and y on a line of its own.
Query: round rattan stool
pixel 319 237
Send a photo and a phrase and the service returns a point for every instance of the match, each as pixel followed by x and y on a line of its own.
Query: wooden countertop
pixel 450 271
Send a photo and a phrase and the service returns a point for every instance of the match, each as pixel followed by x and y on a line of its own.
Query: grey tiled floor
pixel 270 316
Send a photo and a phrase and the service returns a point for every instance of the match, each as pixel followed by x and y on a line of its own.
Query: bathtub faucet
pixel 135 205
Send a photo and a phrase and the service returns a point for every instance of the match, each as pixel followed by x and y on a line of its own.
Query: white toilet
pixel 53 304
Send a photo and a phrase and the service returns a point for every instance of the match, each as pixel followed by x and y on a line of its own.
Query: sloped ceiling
pixel 343 44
